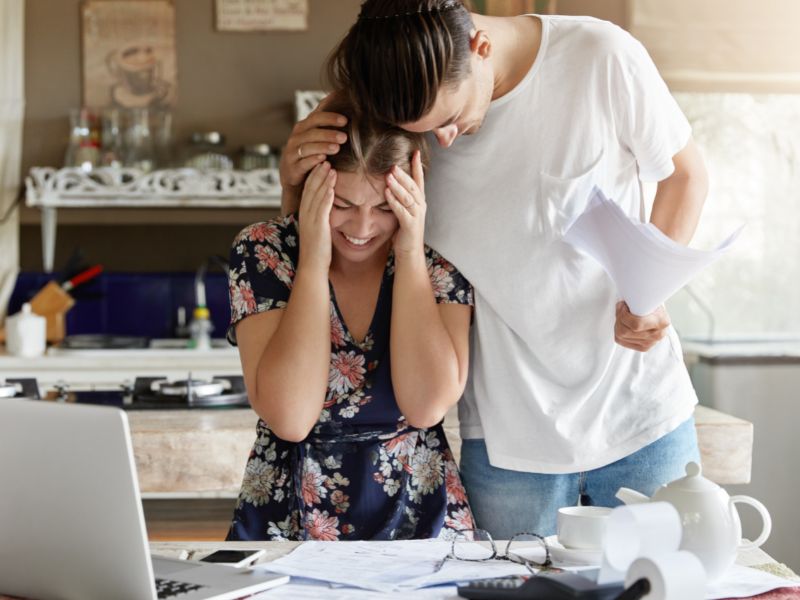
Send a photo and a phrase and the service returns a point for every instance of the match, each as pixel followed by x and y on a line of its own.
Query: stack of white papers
pixel 646 266
pixel 386 566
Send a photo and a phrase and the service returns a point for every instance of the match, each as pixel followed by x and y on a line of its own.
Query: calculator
pixel 550 586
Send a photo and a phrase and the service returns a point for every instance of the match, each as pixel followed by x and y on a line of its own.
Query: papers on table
pixel 370 570
pixel 386 566
pixel 646 266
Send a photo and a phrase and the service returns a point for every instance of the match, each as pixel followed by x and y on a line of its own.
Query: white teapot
pixel 711 526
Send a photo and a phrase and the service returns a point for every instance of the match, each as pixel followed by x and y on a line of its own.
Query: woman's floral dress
pixel 362 473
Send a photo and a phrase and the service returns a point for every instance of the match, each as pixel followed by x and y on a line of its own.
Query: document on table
pixel 386 566
pixel 646 265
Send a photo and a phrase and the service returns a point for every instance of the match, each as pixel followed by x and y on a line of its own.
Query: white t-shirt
pixel 549 389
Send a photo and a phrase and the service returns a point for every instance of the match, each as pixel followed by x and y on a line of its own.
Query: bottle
pixel 200 329
pixel 26 333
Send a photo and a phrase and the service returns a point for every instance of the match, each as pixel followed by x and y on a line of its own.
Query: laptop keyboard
pixel 167 588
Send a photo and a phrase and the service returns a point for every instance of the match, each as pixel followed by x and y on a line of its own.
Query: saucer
pixel 573 556
pixel 124 97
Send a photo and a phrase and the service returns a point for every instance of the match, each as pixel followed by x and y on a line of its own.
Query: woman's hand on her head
pixel 315 214
pixel 406 197
pixel 309 144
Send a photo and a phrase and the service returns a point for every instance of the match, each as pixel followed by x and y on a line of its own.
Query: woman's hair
pixel 399 54
pixel 372 148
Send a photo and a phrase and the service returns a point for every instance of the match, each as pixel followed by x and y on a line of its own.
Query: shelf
pixel 47 187
pixel 132 191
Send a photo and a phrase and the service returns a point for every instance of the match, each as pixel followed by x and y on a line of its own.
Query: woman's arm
pixel 286 353
pixel 429 346
pixel 429 343
pixel 285 358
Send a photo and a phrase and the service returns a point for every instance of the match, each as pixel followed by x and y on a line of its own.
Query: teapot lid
pixel 694 480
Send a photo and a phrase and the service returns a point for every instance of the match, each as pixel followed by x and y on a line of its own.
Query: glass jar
pixel 83 149
pixel 111 146
pixel 163 139
pixel 257 156
pixel 140 152
pixel 206 150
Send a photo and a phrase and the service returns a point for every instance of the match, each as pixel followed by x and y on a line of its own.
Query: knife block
pixel 52 303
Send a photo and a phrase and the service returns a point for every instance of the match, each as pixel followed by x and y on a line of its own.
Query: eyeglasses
pixel 477 545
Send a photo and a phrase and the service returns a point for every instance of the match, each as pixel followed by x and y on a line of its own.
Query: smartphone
pixel 234 558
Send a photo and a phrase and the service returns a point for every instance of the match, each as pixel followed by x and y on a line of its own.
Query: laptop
pixel 71 519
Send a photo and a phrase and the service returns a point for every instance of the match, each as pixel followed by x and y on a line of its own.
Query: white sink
pixel 183 344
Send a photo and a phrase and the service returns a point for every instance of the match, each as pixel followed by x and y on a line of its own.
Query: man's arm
pixel 676 212
pixel 680 197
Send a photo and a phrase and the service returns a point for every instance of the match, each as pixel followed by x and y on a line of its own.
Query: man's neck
pixel 515 45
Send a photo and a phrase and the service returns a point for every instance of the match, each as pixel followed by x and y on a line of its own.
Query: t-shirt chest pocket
pixel 562 199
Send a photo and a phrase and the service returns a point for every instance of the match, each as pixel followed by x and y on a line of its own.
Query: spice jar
pixel 257 156
pixel 206 150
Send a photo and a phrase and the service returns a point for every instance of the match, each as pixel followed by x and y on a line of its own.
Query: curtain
pixel 721 45
pixel 12 107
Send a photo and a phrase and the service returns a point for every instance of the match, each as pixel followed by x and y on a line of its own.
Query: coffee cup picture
pixel 129 54
pixel 137 72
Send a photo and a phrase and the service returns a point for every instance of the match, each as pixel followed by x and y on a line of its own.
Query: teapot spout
pixel 629 496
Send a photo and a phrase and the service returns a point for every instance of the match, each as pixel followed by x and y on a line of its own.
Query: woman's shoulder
pixel 278 232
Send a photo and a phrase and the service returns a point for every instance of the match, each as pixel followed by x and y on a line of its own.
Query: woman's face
pixel 361 221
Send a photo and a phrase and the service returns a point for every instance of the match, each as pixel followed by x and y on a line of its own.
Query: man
pixel 570 395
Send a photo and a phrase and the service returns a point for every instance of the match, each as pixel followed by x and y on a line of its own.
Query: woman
pixel 353 337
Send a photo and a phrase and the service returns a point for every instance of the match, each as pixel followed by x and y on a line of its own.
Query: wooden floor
pixel 188 520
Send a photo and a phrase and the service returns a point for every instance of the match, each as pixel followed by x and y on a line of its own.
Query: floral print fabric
pixel 362 473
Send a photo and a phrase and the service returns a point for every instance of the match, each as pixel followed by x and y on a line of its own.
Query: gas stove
pixel 145 393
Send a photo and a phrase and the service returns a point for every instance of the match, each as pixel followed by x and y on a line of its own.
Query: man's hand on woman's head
pixel 315 215
pixel 309 144
pixel 405 195
pixel 640 333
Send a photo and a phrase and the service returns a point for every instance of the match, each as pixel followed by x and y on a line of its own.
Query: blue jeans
pixel 506 502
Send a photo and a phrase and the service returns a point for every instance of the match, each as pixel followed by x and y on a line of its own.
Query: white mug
pixel 582 527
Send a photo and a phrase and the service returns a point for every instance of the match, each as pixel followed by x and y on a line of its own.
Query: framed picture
pixel 507 8
pixel 262 15
pixel 129 54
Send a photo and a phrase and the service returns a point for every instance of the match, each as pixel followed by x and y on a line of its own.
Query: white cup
pixel 582 527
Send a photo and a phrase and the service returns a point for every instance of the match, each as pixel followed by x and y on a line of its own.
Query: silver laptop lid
pixel 71 522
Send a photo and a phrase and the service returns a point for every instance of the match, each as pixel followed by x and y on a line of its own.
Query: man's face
pixel 458 111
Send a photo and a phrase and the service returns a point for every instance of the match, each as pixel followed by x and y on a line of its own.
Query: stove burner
pixel 158 392
pixel 190 387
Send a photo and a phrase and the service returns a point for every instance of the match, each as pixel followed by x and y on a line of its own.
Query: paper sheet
pixel 646 265
pixel 386 566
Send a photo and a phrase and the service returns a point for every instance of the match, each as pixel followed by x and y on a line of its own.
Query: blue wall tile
pixel 144 304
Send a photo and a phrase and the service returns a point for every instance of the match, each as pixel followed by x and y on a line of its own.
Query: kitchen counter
pixel 111 367
pixel 202 453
